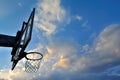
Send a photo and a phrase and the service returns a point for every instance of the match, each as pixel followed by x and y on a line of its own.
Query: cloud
pixel 105 52
pixel 108 40
pixel 63 60
pixel 85 24
pixel 79 18
pixel 66 59
pixel 49 14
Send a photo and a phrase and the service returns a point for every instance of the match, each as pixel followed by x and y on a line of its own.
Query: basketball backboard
pixel 22 39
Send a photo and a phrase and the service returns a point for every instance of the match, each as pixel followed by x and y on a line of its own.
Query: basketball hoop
pixel 33 60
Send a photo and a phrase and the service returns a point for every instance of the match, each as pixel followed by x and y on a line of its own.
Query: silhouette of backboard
pixel 22 39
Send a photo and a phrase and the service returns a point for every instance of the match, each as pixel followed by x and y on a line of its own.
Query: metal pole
pixel 7 41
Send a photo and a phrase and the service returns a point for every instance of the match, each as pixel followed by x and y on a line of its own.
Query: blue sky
pixel 79 39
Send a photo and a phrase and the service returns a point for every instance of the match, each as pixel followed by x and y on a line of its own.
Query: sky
pixel 79 39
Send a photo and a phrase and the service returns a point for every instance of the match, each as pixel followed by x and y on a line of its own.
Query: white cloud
pixel 56 59
pixel 79 18
pixel 49 14
pixel 106 50
pixel 109 39
pixel 63 60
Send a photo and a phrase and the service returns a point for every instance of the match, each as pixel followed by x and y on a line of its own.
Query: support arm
pixel 7 41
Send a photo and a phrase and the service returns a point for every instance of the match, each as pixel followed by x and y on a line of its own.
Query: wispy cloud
pixel 62 59
pixel 49 14
pixel 79 18
pixel 85 24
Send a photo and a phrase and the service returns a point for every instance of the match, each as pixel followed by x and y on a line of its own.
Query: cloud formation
pixel 79 18
pixel 67 60
pixel 62 59
pixel 49 14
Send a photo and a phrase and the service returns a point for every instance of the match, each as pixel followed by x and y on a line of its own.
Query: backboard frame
pixel 22 40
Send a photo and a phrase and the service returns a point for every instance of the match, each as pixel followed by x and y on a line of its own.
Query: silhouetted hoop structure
pixel 33 60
